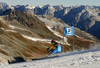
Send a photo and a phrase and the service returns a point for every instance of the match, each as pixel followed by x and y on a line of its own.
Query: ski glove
pixel 47 49
pixel 50 51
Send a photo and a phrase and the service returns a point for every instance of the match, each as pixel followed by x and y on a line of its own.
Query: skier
pixel 56 48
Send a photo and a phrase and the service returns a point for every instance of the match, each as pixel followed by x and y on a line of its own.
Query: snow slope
pixel 84 59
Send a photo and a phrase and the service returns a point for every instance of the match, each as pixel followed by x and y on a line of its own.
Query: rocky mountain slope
pixel 86 18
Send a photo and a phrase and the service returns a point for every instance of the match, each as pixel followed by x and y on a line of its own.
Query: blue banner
pixel 68 31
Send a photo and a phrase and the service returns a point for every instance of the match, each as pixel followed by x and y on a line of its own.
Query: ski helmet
pixel 52 41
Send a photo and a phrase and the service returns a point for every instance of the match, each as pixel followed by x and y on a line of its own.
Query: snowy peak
pixel 46 6
pixel 29 6
pixel 4 5
pixel 48 10
pixel 58 7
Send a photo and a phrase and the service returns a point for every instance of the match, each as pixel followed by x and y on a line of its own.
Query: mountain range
pixel 26 30
pixel 86 18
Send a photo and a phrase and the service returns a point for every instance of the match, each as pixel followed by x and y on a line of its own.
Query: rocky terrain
pixel 86 16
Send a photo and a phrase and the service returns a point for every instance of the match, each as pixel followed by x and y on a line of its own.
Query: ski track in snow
pixel 84 59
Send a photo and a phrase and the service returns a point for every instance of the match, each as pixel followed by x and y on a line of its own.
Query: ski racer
pixel 54 48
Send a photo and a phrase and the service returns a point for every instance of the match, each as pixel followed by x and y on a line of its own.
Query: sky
pixel 52 2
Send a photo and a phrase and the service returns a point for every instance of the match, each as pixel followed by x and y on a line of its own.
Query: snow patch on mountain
pixel 29 6
pixel 15 27
pixel 46 6
pixel 37 39
pixel 8 30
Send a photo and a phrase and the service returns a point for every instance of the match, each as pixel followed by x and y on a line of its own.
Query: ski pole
pixel 38 53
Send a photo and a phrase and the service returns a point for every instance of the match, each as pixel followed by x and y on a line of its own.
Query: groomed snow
pixel 84 59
